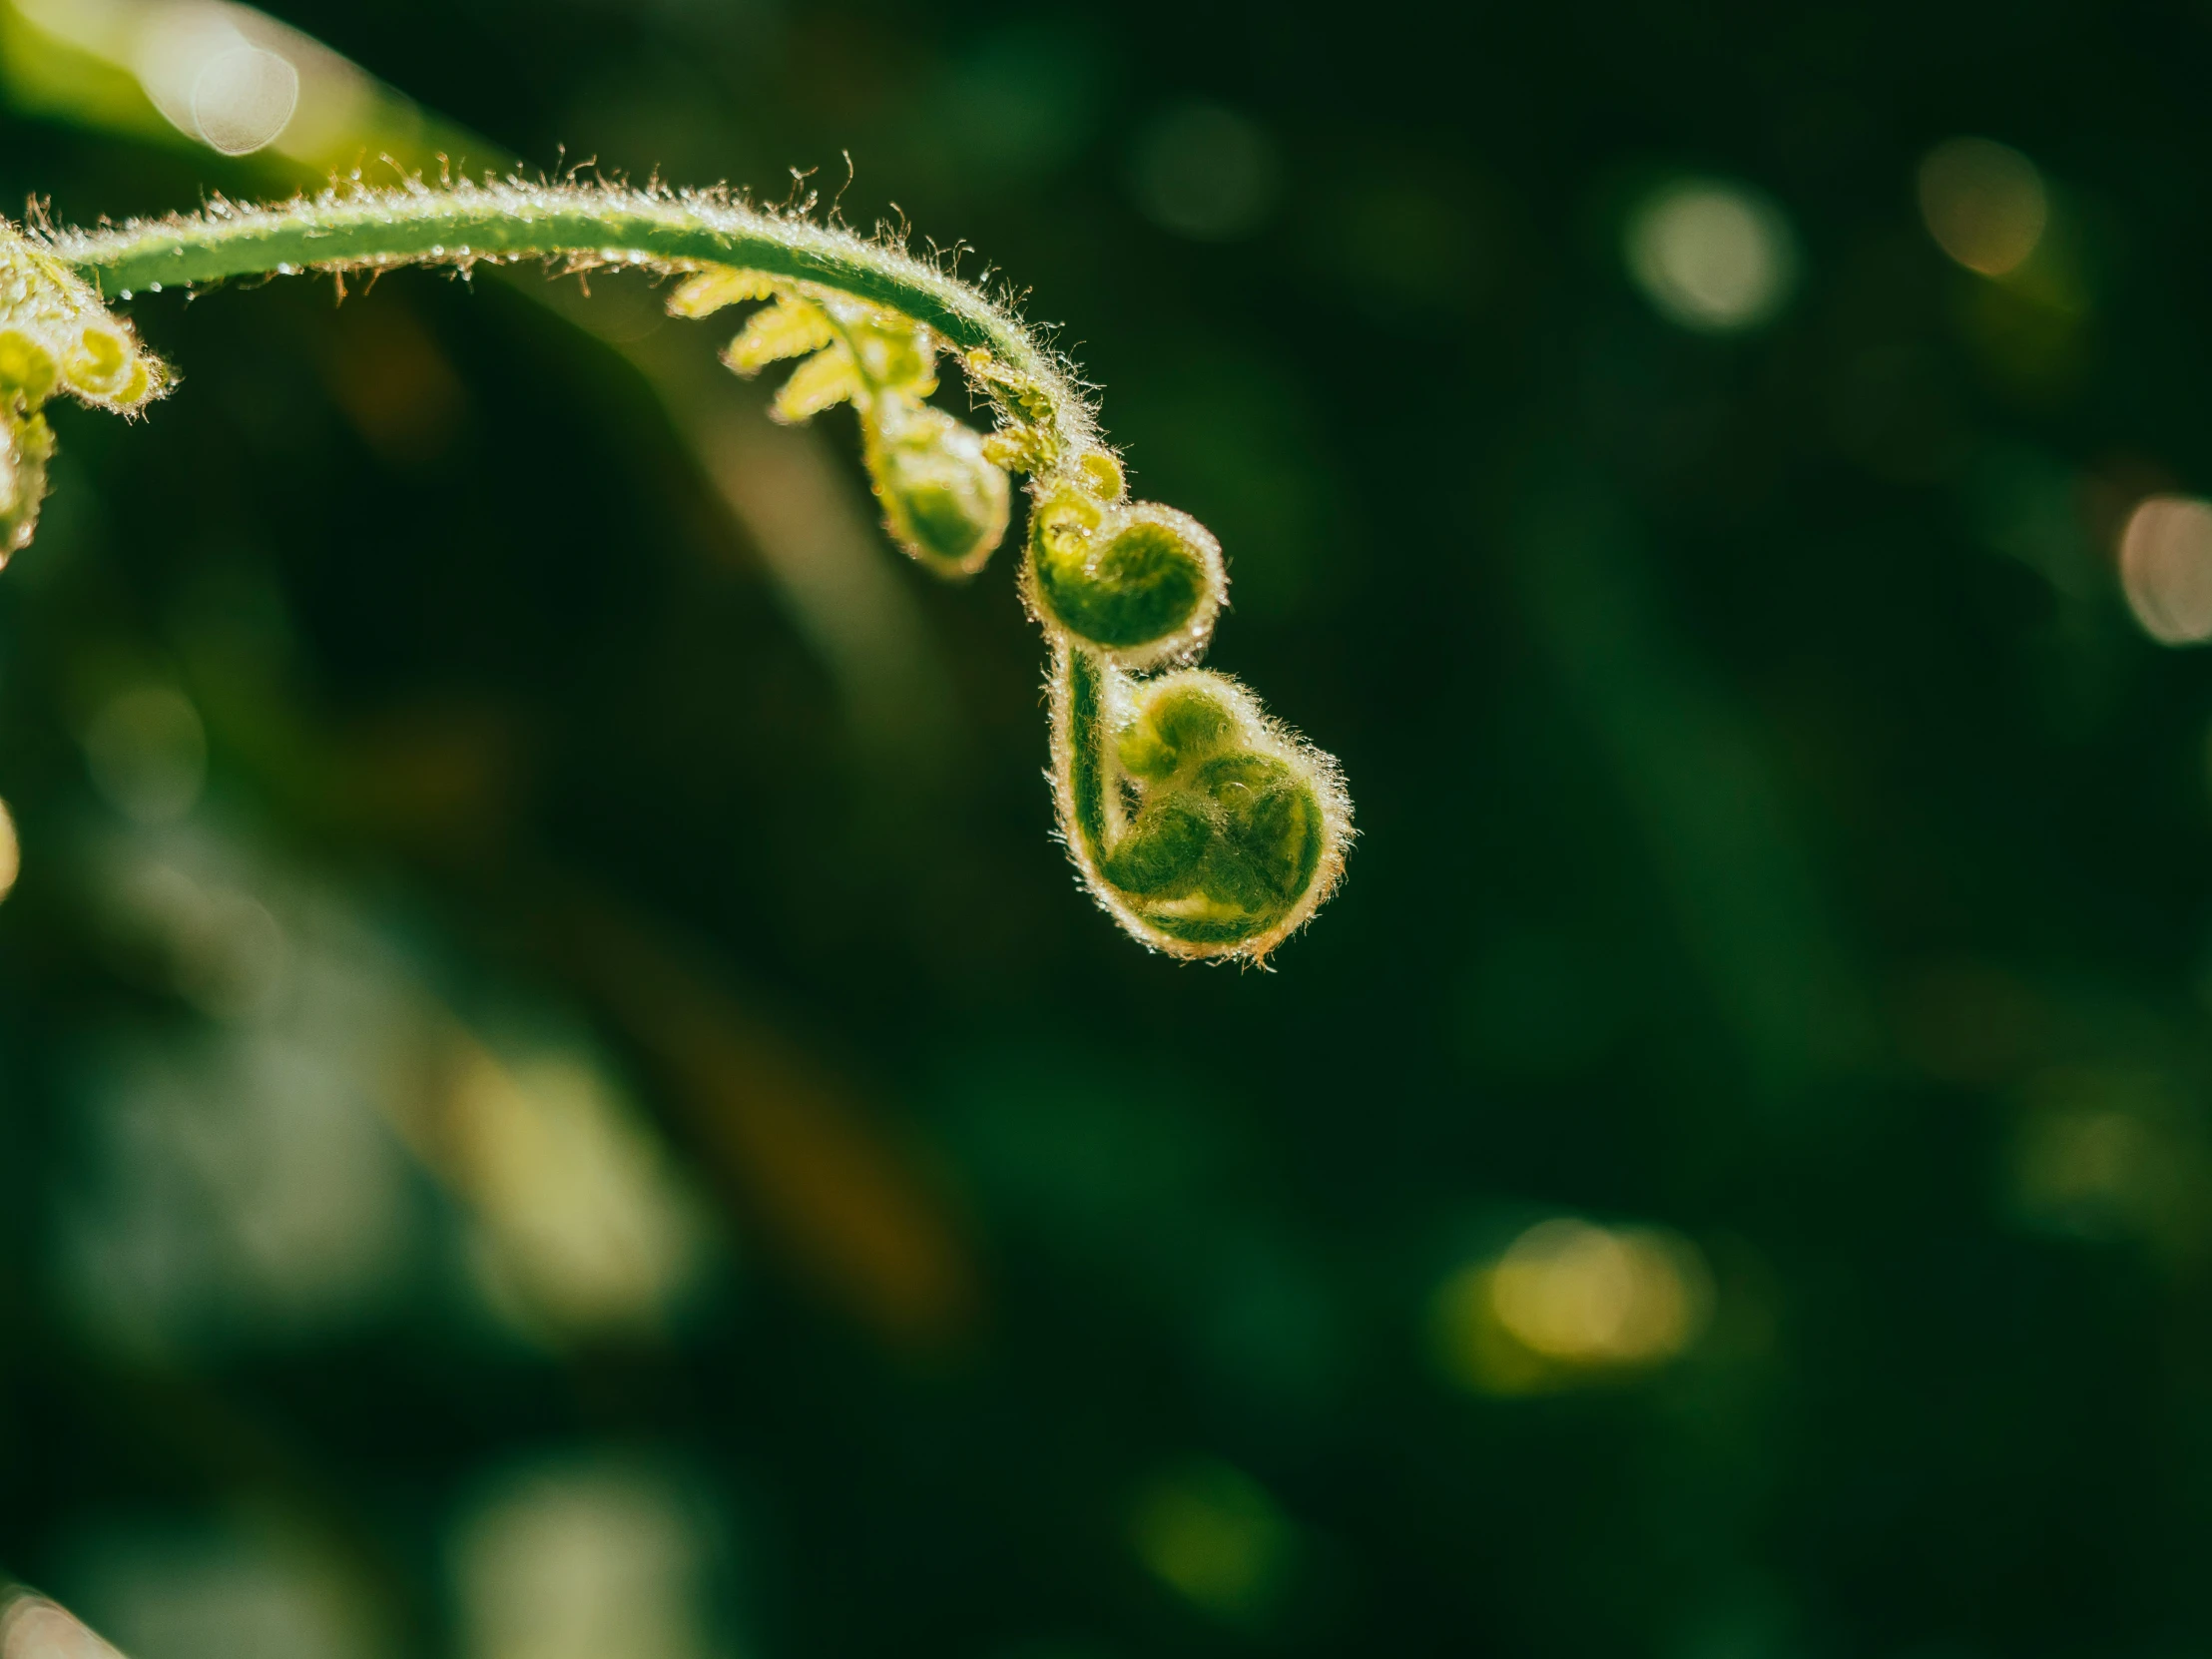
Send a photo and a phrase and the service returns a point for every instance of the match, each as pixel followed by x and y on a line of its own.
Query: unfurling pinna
pixel 1203 827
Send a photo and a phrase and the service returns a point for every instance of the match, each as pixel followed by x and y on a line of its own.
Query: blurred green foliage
pixel 557 1098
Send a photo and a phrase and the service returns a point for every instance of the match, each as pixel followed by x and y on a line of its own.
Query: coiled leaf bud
pixel 103 365
pixel 1136 580
pixel 943 501
pixel 1203 827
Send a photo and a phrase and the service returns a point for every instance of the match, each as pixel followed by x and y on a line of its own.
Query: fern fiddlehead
pixel 1204 828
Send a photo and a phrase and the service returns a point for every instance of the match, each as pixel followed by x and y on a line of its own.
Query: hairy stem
pixel 364 229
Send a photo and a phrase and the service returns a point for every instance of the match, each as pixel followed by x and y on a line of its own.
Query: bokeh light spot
pixel 1569 1298
pixel 219 948
pixel 32 1628
pixel 2111 1153
pixel 588 1227
pixel 148 754
pixel 1206 172
pixel 244 98
pixel 1214 1535
pixel 1711 255
pixel 585 1558
pixel 11 851
pixel 1983 203
pixel 2166 568
pixel 1579 1293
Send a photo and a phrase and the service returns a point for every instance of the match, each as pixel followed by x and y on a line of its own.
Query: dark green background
pixel 1770 815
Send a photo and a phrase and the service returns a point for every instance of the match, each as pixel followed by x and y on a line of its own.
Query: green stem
pixel 367 229
pixel 1084 680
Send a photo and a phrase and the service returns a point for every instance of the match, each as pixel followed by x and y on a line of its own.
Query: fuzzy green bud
pixel 103 364
pixel 1138 580
pixel 1232 839
pixel 1201 824
pixel 1099 471
pixel 1184 719
pixel 943 501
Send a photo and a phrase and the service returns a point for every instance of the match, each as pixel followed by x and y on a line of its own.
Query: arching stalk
pixel 1203 827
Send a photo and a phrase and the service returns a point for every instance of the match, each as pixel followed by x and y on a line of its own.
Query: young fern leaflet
pixel 1205 829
